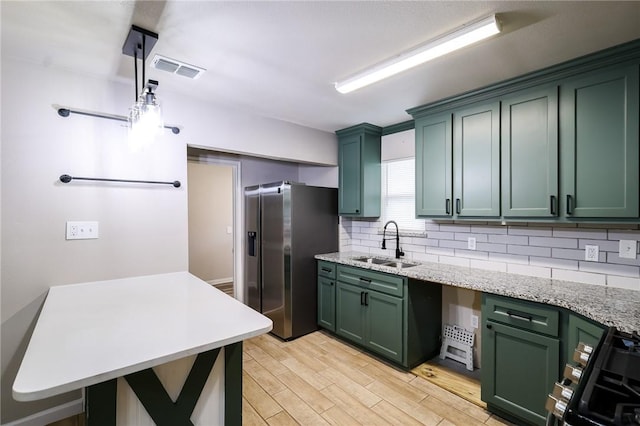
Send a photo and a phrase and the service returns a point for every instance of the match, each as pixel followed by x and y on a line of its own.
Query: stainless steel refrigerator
pixel 286 224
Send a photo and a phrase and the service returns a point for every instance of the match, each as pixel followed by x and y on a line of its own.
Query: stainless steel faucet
pixel 399 252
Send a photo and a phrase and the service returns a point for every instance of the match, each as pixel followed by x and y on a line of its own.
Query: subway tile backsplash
pixel 549 251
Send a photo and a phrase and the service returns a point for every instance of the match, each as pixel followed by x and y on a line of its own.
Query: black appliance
pixel 604 388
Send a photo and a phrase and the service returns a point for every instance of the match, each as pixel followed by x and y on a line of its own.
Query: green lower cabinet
pixel 386 314
pixel 383 315
pixel 581 330
pixel 519 369
pixel 327 303
pixel 350 312
pixel 525 346
pixel 370 318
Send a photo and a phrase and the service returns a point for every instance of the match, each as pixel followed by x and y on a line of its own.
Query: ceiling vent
pixel 176 67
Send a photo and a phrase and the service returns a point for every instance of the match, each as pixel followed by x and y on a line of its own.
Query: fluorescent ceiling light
pixel 448 43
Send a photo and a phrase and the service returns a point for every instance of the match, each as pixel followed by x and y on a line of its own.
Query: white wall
pixel 223 129
pixel 210 221
pixel 143 229
pixel 256 171
pixel 319 176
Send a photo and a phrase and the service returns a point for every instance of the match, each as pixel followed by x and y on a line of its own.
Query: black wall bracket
pixel 65 112
pixel 68 178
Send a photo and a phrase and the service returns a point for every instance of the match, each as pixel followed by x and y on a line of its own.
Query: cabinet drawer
pixel 326 269
pixel 522 314
pixel 379 281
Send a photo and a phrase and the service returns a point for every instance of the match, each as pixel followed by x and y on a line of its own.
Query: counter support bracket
pixel 101 398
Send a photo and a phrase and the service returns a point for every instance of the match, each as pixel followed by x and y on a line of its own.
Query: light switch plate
pixel 474 321
pixel 591 253
pixel 471 243
pixel 82 230
pixel 628 249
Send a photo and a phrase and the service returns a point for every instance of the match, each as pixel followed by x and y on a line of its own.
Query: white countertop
pixel 92 332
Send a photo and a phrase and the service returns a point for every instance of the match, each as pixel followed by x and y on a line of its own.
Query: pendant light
pixel 145 116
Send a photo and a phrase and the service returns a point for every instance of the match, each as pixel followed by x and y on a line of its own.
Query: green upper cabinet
pixel 476 161
pixel 561 144
pixel 359 171
pixel 530 153
pixel 599 144
pixel 433 166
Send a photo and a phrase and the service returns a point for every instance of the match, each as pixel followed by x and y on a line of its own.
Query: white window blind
pixel 398 194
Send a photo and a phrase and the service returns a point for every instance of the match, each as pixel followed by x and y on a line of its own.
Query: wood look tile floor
pixel 319 380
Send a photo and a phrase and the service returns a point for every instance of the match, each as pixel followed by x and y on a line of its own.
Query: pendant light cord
pixel 144 56
pixel 135 70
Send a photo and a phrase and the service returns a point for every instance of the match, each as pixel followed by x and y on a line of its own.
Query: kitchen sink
pixel 385 262
pixel 367 259
pixel 400 264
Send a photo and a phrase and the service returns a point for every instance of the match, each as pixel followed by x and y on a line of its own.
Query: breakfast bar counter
pixel 90 334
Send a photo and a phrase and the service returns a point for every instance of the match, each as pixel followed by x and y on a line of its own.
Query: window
pixel 398 194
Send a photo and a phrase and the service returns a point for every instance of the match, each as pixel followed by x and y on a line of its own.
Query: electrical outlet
pixel 628 249
pixel 474 321
pixel 471 243
pixel 82 230
pixel 591 253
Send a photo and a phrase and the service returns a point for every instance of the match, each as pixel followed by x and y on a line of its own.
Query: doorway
pixel 213 219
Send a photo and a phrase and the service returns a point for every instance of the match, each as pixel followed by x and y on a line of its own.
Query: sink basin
pixel 366 259
pixel 400 264
pixel 385 262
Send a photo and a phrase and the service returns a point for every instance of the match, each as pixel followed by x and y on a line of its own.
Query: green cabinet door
pixel 434 166
pixel 581 330
pixel 530 153
pixel 350 314
pixel 518 371
pixel 599 144
pixel 359 168
pixel 349 175
pixel 476 161
pixel 327 303
pixel 384 318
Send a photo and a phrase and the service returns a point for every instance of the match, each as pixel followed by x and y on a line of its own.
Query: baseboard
pixel 51 415
pixel 221 281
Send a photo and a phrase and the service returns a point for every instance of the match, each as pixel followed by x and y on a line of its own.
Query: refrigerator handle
pixel 251 243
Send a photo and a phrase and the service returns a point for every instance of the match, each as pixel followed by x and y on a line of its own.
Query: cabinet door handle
pixel 447 205
pixel 362 297
pixel 331 283
pixel 457 205
pixel 326 269
pixel 569 204
pixel 357 211
pixel 520 316
pixel 366 280
pixel 366 299
pixel 552 205
pixel 489 326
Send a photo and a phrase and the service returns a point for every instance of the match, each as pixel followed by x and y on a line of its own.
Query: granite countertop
pixel 607 305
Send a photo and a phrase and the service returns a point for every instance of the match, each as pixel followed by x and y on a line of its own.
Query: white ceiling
pixel 280 59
